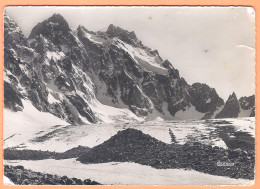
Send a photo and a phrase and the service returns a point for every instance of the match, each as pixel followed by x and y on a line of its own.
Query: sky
pixel 212 45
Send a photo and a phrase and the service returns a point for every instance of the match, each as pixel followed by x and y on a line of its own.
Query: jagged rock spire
pixel 12 33
pixel 231 108
pixel 124 35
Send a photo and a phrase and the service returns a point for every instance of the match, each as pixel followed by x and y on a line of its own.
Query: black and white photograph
pixel 129 95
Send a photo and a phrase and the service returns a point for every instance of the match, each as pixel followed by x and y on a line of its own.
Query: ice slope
pixel 115 173
pixel 19 127
pixel 93 38
pixel 67 137
pixel 109 114
pixel 142 57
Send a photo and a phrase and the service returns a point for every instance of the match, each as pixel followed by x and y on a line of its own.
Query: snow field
pixel 116 173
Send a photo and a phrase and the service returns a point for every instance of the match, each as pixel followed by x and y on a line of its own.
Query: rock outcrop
pixel 21 176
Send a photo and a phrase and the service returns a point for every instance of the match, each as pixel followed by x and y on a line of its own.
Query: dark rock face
pixel 205 99
pixel 248 103
pixel 252 114
pixel 83 108
pixel 12 100
pixel 231 108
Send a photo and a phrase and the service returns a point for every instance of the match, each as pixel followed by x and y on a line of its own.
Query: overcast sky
pixel 212 45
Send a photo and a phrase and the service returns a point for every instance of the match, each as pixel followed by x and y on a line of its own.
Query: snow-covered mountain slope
pixel 116 173
pixel 21 126
pixel 85 77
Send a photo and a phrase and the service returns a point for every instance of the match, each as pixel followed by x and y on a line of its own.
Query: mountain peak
pixel 233 96
pixel 83 28
pixel 112 28
pixel 56 23
pixel 231 108
pixel 58 18
pixel 124 35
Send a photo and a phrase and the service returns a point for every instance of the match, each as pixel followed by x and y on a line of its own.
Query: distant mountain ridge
pixel 82 76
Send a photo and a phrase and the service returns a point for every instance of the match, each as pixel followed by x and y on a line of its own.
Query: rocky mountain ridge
pixel 89 77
